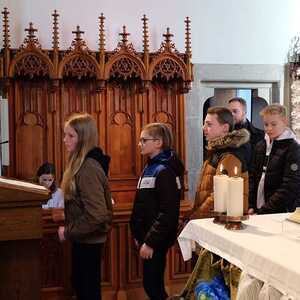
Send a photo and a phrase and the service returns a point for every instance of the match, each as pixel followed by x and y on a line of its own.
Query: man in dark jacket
pixel 238 108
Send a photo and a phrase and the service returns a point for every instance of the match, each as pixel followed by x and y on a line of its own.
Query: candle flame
pixel 235 171
pixel 221 168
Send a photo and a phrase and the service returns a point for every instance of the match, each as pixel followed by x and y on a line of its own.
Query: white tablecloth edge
pixel 185 242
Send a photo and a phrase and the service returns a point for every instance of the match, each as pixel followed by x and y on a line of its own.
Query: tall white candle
pixel 220 192
pixel 235 203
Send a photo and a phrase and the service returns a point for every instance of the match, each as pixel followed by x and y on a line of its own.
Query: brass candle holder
pixel 219 217
pixel 236 223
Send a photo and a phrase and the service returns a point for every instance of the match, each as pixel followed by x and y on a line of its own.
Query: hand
pixel 251 211
pixel 58 215
pixel 146 252
pixel 61 233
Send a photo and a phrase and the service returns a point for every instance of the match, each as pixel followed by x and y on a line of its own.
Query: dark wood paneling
pixel 121 265
pixel 123 90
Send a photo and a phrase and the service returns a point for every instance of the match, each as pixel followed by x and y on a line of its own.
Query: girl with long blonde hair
pixel 88 208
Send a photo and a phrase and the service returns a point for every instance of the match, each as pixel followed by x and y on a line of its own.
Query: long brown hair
pixel 86 129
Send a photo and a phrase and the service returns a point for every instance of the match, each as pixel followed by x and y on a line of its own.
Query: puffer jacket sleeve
pixel 166 222
pixel 204 201
pixel 92 188
pixel 255 172
pixel 287 193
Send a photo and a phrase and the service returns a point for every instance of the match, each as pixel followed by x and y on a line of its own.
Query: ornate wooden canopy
pixel 79 61
pixel 123 90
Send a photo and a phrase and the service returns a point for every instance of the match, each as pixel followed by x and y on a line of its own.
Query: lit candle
pixel 235 204
pixel 220 191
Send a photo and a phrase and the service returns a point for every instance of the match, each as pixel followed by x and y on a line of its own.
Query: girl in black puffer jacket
pixel 275 179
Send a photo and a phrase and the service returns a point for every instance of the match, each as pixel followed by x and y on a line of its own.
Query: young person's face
pixel 70 138
pixel 238 111
pixel 46 180
pixel 212 129
pixel 149 145
pixel 274 125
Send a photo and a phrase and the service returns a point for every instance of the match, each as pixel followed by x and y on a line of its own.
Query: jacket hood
pixel 233 139
pixel 103 159
pixel 170 159
pixel 286 135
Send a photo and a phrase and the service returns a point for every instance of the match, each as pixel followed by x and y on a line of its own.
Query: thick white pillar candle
pixel 220 192
pixel 235 203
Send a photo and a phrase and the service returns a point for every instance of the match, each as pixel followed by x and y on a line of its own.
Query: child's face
pixel 149 145
pixel 212 129
pixel 70 139
pixel 46 180
pixel 274 125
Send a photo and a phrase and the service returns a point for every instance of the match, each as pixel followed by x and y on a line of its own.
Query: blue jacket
pixel 155 213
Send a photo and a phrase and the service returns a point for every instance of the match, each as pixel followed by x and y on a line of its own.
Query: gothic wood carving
pixel 124 90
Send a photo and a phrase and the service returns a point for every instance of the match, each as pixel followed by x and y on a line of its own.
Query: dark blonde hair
pixel 86 129
pixel 160 131
pixel 274 109
pixel 224 115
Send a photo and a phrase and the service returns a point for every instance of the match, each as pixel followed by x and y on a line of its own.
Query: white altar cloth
pixel 268 248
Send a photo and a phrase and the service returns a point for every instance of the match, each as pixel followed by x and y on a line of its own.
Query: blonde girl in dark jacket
pixel 275 178
pixel 88 208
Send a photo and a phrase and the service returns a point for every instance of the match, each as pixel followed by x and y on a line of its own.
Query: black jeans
pixel 153 279
pixel 86 270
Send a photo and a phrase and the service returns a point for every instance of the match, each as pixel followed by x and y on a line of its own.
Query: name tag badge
pixel 147 183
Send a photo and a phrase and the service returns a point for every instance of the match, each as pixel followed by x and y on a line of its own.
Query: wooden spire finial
pixel 168 36
pixel 145 34
pixel 55 40
pixel 188 50
pixel 78 43
pixel 31 40
pixel 124 35
pixel 101 34
pixel 78 34
pixel 6 40
pixel 31 32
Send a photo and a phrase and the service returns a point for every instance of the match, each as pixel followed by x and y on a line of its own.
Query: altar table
pixel 268 248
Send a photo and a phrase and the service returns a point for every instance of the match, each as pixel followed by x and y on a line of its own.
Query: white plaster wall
pixel 223 31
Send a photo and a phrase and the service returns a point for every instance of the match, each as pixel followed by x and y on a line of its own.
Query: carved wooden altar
pixel 123 90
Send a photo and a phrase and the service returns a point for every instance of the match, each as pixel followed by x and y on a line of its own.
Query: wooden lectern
pixel 20 235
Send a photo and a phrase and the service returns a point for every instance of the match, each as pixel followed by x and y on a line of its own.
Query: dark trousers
pixel 153 279
pixel 86 270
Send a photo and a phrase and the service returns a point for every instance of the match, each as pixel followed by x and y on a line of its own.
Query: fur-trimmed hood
pixel 233 139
